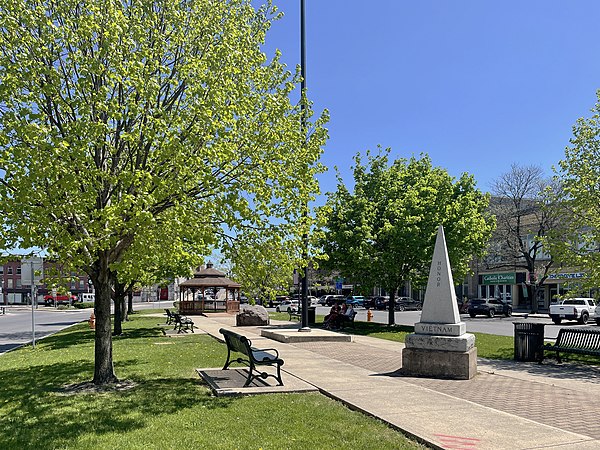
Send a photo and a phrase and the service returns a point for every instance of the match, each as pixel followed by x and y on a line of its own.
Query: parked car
pixel 369 302
pixel 87 297
pixel 60 299
pixel 463 306
pixel 278 300
pixel 407 304
pixel 333 299
pixel 287 306
pixel 312 300
pixel 580 309
pixel 355 300
pixel 381 302
pixel 489 307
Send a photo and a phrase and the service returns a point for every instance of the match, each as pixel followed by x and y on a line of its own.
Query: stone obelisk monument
pixel 439 347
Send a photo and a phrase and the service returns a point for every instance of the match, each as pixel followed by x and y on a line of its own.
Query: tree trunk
pixel 392 308
pixel 124 316
pixel 534 299
pixel 103 363
pixel 119 304
pixel 129 303
pixel 118 327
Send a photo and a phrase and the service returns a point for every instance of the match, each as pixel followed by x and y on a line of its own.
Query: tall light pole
pixel 304 319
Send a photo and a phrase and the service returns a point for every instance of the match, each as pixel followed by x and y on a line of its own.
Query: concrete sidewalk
pixel 508 405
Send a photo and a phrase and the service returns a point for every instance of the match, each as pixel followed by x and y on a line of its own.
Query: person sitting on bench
pixel 331 318
pixel 345 316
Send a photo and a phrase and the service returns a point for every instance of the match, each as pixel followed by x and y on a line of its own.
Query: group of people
pixel 338 316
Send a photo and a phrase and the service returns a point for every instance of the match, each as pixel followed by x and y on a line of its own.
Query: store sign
pixel 499 278
pixel 566 276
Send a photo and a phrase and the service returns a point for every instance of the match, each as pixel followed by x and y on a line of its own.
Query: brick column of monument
pixel 439 347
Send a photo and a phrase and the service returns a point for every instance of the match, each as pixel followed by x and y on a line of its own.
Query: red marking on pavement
pixel 457 442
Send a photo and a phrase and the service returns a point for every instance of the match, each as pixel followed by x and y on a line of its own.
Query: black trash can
pixel 529 339
pixel 312 315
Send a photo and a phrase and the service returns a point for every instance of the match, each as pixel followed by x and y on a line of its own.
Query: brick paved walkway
pixel 572 410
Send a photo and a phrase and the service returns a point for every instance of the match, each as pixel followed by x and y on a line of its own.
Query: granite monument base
pixel 417 362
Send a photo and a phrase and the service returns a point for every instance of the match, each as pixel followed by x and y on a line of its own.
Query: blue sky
pixel 478 85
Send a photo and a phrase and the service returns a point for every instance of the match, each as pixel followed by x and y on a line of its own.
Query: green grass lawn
pixel 163 404
pixel 488 345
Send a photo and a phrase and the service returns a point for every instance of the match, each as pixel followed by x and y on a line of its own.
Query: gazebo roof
pixel 209 277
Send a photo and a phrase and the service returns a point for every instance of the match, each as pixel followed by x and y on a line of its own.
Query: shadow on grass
pixel 82 334
pixel 139 333
pixel 75 335
pixel 39 414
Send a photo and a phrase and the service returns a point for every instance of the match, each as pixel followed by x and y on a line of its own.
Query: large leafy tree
pixel 577 244
pixel 263 260
pixel 383 233
pixel 122 120
pixel 525 215
pixel 263 266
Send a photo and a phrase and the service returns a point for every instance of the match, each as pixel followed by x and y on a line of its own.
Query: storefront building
pixel 512 287
pixel 14 292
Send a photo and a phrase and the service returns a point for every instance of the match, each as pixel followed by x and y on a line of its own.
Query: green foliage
pixel 263 266
pixel 83 305
pixel 384 232
pixel 127 127
pixel 578 173
pixel 136 135
pixel 43 414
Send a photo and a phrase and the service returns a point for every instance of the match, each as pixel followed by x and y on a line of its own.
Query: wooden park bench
pixel 581 341
pixel 170 317
pixel 183 323
pixel 255 357
pixel 295 314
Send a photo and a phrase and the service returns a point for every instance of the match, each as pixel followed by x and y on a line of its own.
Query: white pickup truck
pixel 580 309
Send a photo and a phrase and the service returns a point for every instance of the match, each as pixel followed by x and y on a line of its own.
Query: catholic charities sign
pixel 499 278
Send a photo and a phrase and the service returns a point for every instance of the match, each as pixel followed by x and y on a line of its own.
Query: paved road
pixel 15 325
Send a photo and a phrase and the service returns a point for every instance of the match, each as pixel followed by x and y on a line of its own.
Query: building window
pixel 18 283
pixel 9 283
pixel 81 284
pixel 1 270
pixel 9 270
pixel 19 270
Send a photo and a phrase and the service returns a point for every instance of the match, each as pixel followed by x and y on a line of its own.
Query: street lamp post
pixel 304 319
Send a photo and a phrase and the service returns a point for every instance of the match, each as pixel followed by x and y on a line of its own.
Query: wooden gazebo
pixel 204 280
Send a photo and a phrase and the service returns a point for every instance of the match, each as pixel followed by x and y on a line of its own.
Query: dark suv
pixel 333 299
pixel 407 304
pixel 489 307
pixel 381 302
